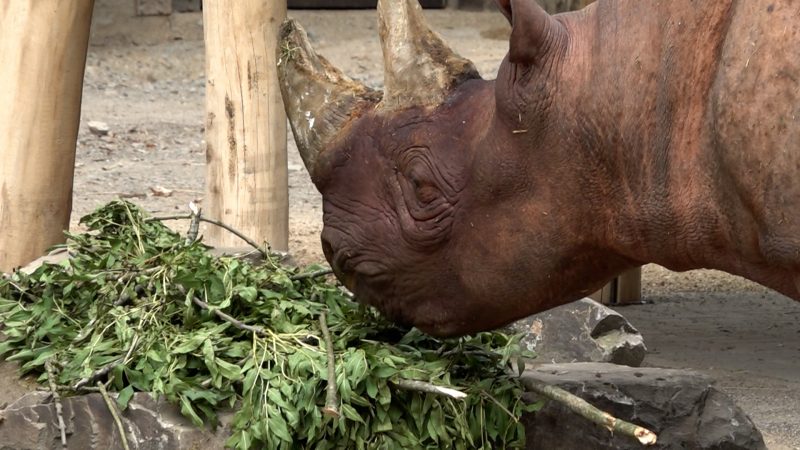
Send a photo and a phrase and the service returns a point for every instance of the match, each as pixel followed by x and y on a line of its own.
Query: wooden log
pixel 43 46
pixel 605 295
pixel 624 289
pixel 246 175
pixel 629 287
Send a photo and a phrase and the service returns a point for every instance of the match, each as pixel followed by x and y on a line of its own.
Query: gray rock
pixel 582 331
pixel 680 406
pixel 153 7
pixel 149 424
pixel 29 399
pixel 56 256
pixel 14 388
pixel 98 128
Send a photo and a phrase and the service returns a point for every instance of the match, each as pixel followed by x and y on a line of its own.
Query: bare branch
pixel 587 411
pixel 422 386
pixel 237 323
pixel 115 414
pixel 331 398
pixel 315 274
pixel 237 233
pixel 51 379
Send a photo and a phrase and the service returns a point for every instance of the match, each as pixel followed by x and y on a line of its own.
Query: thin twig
pixel 499 405
pixel 331 398
pixel 163 218
pixel 237 233
pixel 82 389
pixel 315 274
pixel 113 409
pixel 264 253
pixel 422 386
pixel 51 379
pixel 238 324
pixel 107 368
pixel 587 411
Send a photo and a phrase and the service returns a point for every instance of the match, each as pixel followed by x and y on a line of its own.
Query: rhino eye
pixel 422 201
pixel 420 180
pixel 423 183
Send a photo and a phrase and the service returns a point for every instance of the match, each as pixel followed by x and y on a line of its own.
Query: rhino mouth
pixel 355 270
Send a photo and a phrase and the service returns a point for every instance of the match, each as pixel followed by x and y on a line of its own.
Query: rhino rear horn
pixel 319 99
pixel 419 68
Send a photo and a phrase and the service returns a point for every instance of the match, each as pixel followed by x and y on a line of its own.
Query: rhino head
pixel 449 200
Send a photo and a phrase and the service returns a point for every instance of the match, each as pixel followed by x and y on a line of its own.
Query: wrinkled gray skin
pixel 630 132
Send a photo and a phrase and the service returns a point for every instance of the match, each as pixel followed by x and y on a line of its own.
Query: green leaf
pixel 154 355
pixel 6 346
pixel 278 427
pixel 190 345
pixel 229 371
pixel 384 394
pixel 371 387
pixel 383 423
pixel 248 293
pixel 124 397
pixel 351 413
pixel 249 381
pixel 384 372
pixel 188 411
pixel 42 356
pixel 274 395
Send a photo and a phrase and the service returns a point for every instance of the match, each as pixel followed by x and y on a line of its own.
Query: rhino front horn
pixel 420 69
pixel 319 99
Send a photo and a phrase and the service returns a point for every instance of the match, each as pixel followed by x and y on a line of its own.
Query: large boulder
pixel 682 407
pixel 582 331
pixel 31 423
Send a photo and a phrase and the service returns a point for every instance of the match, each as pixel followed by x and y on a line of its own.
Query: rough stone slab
pixel 680 406
pixel 150 425
pixel 153 7
pixel 13 387
pixel 582 331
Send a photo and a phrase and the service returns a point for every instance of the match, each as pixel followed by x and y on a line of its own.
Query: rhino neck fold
pixel 644 114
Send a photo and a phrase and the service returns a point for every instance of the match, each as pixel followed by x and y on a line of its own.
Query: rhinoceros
pixel 630 132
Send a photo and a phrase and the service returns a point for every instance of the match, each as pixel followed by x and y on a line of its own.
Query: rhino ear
pixel 533 30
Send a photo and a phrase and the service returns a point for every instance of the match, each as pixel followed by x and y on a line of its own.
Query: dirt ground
pixel 145 80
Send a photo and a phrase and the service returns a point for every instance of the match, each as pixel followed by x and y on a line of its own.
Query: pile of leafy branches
pixel 138 308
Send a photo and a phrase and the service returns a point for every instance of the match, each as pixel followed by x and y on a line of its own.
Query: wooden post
pixel 246 175
pixel 43 46
pixel 606 294
pixel 622 290
pixel 629 287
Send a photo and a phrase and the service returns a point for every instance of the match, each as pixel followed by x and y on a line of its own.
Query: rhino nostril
pixel 327 250
pixel 335 260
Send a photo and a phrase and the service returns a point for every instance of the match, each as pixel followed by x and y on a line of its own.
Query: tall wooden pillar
pixel 622 290
pixel 246 175
pixel 43 46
